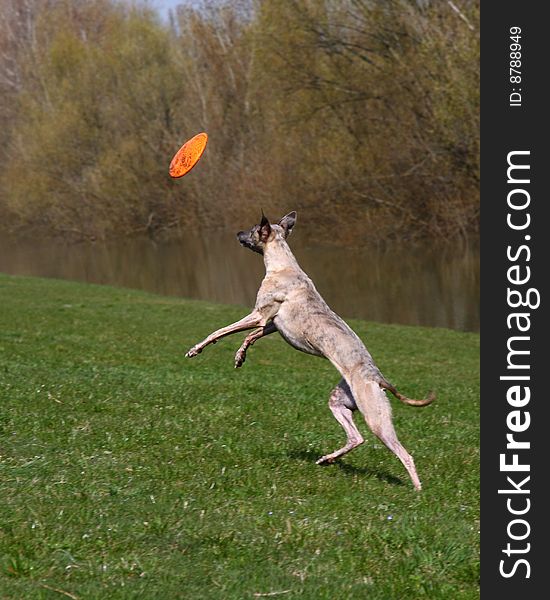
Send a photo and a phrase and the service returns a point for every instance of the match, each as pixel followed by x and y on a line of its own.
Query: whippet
pixel 288 302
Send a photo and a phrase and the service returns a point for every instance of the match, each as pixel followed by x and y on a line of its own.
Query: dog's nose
pixel 241 236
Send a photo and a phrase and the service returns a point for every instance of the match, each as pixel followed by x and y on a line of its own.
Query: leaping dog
pixel 288 302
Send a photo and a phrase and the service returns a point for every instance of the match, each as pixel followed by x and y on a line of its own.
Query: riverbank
pixel 128 470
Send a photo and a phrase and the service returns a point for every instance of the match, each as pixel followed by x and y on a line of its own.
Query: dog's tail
pixel 388 386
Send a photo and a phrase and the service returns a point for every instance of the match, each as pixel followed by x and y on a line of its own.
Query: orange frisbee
pixel 188 155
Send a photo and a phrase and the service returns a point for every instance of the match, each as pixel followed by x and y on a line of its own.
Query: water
pixel 416 285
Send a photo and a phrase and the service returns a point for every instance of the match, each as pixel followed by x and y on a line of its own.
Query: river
pixel 427 284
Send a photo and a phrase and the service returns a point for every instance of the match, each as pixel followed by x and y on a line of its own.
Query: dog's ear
pixel 288 222
pixel 265 228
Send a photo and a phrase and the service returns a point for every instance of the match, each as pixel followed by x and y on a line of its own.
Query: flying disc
pixel 188 155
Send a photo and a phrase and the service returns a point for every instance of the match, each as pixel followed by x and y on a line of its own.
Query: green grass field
pixel 128 471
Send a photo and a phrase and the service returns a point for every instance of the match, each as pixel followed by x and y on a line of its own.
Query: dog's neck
pixel 278 256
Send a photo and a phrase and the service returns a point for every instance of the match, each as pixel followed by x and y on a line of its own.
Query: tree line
pixel 363 115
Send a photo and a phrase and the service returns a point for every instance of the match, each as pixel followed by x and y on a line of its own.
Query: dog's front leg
pixel 254 319
pixel 240 356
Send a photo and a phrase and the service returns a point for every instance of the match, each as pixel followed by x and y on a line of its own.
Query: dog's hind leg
pixel 376 409
pixel 342 405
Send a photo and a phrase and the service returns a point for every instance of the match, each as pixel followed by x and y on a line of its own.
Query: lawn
pixel 129 471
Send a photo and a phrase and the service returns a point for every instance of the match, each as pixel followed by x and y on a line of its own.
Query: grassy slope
pixel 128 471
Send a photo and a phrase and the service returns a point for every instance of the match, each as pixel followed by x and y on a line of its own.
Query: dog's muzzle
pixel 242 236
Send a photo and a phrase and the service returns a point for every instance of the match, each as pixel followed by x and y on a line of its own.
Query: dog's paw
pixel 193 351
pixel 325 460
pixel 240 357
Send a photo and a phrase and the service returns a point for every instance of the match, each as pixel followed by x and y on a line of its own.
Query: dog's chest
pixel 295 329
pixel 296 339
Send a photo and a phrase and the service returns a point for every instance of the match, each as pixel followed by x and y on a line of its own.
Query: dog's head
pixel 260 235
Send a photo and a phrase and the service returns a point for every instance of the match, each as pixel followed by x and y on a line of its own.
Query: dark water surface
pixel 416 285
